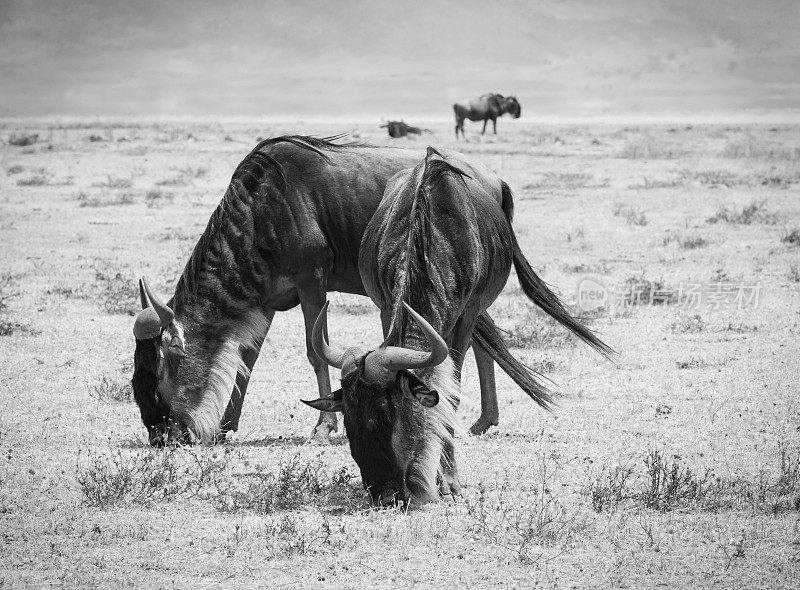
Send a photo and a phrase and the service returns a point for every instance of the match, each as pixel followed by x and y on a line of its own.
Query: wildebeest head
pixel 513 107
pixel 186 367
pixel 154 331
pixel 388 413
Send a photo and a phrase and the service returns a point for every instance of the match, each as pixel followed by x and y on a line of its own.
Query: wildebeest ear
pixel 427 397
pixel 334 403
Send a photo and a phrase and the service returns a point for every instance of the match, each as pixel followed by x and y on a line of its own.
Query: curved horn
pixel 330 355
pixel 383 364
pixel 143 296
pixel 165 314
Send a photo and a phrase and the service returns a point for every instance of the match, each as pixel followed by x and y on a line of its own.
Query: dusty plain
pixel 675 465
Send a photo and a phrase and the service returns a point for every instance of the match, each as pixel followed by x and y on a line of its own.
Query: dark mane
pixel 418 286
pixel 253 172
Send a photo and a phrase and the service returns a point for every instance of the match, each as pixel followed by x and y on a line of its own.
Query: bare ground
pixel 675 466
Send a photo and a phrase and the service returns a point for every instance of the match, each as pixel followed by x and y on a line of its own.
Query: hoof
pixel 321 435
pixel 449 486
pixel 481 426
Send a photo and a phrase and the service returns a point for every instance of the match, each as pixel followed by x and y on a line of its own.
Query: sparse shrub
pixel 522 521
pixel 647 148
pixel 693 242
pixel 23 139
pixel 686 242
pixel 755 212
pixel 599 268
pixel 95 138
pixel 576 234
pixel 714 178
pixel 9 327
pixel 192 172
pixel 565 180
pixel 792 237
pixel 787 486
pixel 179 180
pixel 648 184
pixel 126 198
pixel 692 363
pixel 145 476
pixel 749 147
pixel 689 324
pixel 8 282
pixel 35 180
pixel 794 273
pixel 637 290
pixel 609 488
pixel 739 328
pixel 538 330
pixel 668 482
pixel 116 294
pixel 16 169
pixel 355 308
pixel 114 182
pixel 111 390
pixel 156 198
pixel 296 485
pixel 632 215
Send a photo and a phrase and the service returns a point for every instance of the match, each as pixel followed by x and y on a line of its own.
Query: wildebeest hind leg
pixel 312 299
pixel 490 413
pixel 230 420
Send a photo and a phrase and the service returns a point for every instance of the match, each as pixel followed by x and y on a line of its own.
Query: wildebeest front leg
pixel 485 121
pixel 312 299
pixel 490 413
pixel 494 125
pixel 230 420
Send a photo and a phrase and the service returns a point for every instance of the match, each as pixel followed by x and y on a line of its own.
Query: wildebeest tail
pixel 538 291
pixel 488 338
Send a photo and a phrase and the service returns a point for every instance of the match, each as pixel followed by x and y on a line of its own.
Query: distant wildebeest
pixel 401 129
pixel 485 108
pixel 434 257
pixel 287 230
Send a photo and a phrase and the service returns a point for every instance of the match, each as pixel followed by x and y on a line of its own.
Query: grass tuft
pixel 689 324
pixel 35 180
pixel 755 212
pixel 638 290
pixel 647 148
pixel 114 182
pixel 632 215
pixel 750 147
pixel 296 485
pixel 791 237
pixel 522 522
pixel 144 477
pixel 109 389
pixel 23 139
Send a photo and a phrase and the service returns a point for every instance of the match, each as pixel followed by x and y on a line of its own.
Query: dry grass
pixel 755 212
pixel 23 139
pixel 631 215
pixel 753 148
pixel 650 148
pixel 611 489
pixel 791 237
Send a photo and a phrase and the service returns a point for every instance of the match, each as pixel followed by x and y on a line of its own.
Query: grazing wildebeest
pixel 287 230
pixel 401 129
pixel 435 255
pixel 485 108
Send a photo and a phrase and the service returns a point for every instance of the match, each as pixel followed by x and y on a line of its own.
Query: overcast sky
pixel 354 57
